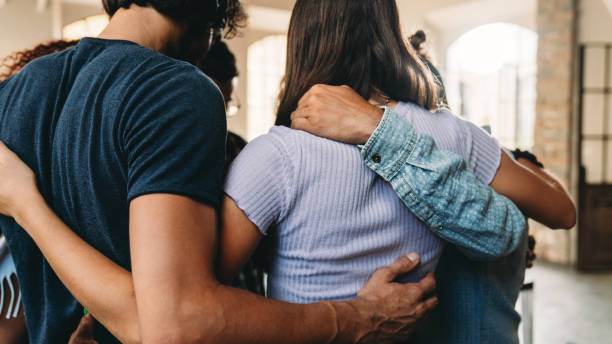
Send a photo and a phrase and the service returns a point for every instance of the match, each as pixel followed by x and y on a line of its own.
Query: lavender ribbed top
pixel 332 220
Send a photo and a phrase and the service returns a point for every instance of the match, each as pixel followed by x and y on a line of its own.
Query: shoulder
pixel 181 79
pixel 171 90
pixel 273 144
pixel 443 126
pixel 44 70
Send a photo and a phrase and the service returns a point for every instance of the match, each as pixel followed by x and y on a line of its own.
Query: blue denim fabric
pixel 442 191
pixel 476 297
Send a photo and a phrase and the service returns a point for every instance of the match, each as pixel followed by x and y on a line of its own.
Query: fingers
pixel 400 267
pixel 428 284
pixel 300 124
pixel 84 331
pixel 426 306
pixel 431 303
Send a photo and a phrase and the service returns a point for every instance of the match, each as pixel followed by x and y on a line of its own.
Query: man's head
pixel 220 65
pixel 203 21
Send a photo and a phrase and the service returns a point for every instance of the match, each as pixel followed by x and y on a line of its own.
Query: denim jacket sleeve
pixel 440 189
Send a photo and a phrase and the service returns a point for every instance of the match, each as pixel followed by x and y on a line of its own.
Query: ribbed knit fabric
pixel 332 220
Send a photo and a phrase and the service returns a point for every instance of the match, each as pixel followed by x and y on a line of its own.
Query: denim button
pixel 376 158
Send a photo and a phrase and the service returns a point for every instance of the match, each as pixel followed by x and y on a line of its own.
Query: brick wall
pixel 556 22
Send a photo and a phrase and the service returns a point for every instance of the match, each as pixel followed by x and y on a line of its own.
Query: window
pixel 266 67
pixel 88 27
pixel 491 81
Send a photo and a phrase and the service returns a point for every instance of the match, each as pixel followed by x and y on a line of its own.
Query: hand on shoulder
pixel 337 113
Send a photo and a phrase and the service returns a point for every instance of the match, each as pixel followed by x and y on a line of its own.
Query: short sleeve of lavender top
pixel 258 181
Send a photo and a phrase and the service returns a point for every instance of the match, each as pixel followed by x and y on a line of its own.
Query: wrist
pixel 29 209
pixel 374 117
pixel 351 323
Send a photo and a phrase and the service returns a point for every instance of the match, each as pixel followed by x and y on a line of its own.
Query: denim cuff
pixel 389 147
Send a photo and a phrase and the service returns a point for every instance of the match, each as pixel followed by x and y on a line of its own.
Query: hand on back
pixel 393 310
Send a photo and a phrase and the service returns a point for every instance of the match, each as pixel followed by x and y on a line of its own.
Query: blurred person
pixel 220 66
pixel 128 148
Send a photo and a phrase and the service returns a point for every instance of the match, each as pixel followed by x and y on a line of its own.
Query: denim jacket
pixel 442 191
pixel 480 275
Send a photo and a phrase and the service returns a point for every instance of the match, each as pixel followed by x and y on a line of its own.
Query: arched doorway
pixel 491 80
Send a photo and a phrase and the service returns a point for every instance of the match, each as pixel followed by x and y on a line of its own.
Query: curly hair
pixel 220 63
pixel 13 63
pixel 218 14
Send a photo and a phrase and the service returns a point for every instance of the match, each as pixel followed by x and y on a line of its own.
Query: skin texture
pixel 338 113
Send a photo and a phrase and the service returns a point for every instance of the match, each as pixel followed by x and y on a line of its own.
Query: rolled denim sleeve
pixel 440 189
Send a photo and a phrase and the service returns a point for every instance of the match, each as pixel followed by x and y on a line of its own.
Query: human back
pixel 331 219
pixel 85 121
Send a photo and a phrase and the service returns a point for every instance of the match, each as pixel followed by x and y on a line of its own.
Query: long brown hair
pixel 13 63
pixel 356 43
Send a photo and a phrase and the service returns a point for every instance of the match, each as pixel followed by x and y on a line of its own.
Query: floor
pixel 570 307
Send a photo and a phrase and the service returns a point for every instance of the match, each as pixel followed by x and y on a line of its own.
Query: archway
pixel 491 80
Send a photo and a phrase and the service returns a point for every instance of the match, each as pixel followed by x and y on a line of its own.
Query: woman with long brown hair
pixel 331 219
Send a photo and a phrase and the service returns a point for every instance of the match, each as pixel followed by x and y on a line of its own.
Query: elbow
pixel 568 218
pixel 200 321
pixel 130 333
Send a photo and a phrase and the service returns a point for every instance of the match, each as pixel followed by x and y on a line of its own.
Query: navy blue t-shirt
pixel 101 124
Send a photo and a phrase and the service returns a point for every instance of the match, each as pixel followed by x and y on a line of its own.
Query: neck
pixel 144 26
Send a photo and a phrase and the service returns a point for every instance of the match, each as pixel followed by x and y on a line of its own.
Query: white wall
pixel 594 21
pixel 22 26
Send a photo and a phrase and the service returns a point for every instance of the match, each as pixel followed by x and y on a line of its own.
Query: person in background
pixel 220 66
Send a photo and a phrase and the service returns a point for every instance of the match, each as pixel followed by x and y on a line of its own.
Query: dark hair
pixel 13 63
pixel 353 43
pixel 216 14
pixel 220 63
pixel 417 40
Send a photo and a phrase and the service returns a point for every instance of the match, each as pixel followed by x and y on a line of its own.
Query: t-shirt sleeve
pixel 174 138
pixel 483 151
pixel 258 182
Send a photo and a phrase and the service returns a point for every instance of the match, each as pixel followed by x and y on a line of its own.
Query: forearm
pixel 100 285
pixel 439 188
pixel 106 290
pixel 244 317
pixel 547 210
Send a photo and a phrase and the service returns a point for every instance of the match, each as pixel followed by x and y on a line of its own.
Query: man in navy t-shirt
pixel 105 124
pixel 127 141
